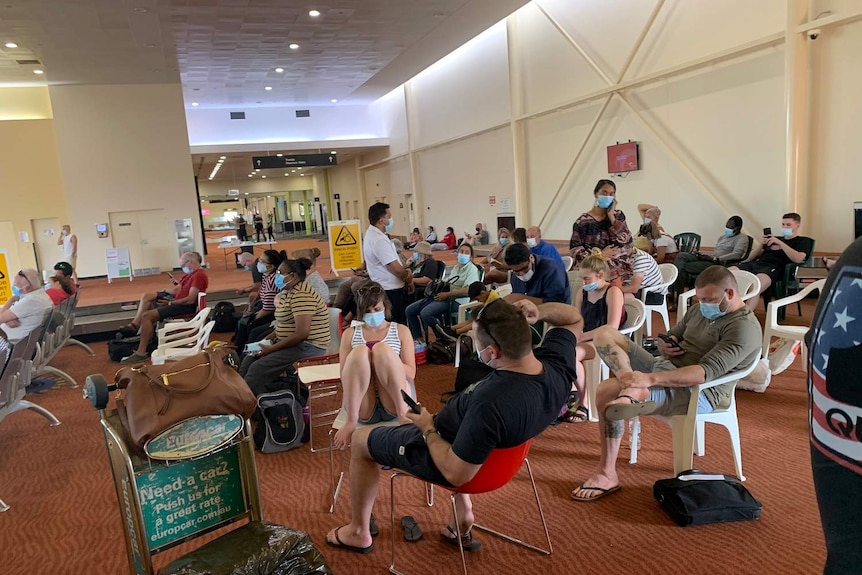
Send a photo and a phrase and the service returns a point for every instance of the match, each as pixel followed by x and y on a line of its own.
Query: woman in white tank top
pixel 377 362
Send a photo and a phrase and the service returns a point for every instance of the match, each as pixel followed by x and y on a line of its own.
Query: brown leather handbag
pixel 158 396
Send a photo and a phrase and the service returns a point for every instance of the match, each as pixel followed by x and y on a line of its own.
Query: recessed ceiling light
pixel 294 46
pixel 11 45
pixel 249 175
pixel 38 71
pixel 141 10
pixel 334 101
pixel 246 193
pixel 267 88
pixel 256 171
pixel 287 174
pixel 222 157
pixel 150 45
pixel 195 104
pixel 279 155
pixel 279 70
pixel 264 177
pixel 333 152
pixel 314 13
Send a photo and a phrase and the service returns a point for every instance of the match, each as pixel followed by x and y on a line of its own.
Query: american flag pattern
pixel 835 372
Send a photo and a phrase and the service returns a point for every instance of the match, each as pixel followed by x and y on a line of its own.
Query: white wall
pixel 263 125
pixel 122 148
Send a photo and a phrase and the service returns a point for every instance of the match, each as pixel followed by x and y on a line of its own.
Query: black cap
pixel 65 267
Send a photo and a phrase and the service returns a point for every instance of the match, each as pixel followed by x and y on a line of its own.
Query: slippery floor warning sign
pixel 345 245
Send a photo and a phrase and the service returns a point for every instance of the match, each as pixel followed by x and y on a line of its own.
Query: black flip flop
pixel 339 544
pixel 467 540
pixel 412 531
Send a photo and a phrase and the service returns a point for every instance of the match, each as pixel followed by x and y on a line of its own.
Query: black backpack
pixel 120 348
pixel 224 316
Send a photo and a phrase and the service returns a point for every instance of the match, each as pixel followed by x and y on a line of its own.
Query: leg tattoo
pixel 614 429
pixel 610 355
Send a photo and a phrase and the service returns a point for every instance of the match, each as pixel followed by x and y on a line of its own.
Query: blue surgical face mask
pixel 504 241
pixel 729 232
pixel 374 318
pixel 47 286
pixel 16 291
pixel 248 268
pixel 261 267
pixel 479 354
pixel 526 276
pixel 532 242
pixel 463 259
pixel 416 256
pixel 647 220
pixel 604 201
pixel 187 270
pixel 591 287
pixel 786 232
pixel 390 224
pixel 279 281
pixel 712 311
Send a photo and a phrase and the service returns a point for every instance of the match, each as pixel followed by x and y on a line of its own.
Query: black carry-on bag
pixel 693 498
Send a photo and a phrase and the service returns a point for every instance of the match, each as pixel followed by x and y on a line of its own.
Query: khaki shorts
pixel 669 400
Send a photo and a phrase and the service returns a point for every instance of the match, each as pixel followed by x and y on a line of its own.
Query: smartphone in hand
pixel 767 231
pixel 173 280
pixel 669 340
pixel 415 407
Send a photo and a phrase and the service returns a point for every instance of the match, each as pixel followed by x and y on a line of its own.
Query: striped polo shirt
pixel 267 292
pixel 302 300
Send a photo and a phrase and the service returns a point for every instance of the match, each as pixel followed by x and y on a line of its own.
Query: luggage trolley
pixel 200 475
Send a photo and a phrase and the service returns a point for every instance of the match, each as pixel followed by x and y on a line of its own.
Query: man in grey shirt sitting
pixel 717 336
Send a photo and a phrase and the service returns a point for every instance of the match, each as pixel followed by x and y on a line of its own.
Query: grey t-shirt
pixel 721 346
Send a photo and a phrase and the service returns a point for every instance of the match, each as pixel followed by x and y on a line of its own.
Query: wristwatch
pixel 428 432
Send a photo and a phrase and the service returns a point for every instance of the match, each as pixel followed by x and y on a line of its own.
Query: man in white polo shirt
pixel 24 311
pixel 381 260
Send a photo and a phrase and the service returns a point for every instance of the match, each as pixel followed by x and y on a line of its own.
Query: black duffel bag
pixel 693 498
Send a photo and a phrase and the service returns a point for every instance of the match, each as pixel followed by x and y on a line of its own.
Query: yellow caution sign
pixel 5 279
pixel 345 244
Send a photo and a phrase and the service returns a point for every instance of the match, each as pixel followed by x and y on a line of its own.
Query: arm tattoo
pixel 614 429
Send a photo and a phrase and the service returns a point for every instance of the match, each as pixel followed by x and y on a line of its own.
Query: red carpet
pixel 64 517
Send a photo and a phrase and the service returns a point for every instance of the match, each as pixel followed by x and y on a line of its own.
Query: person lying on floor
pixel 378 362
pixel 514 403
pixel 182 299
pixel 717 336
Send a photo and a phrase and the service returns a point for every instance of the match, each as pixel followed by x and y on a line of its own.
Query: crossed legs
pixel 613 348
pixel 369 376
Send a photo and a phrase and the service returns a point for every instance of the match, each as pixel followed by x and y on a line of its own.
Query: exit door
pixel 46 232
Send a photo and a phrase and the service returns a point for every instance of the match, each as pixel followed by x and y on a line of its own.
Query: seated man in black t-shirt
pixel 770 256
pixel 514 403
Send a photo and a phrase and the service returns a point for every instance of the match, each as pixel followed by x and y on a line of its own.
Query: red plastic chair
pixel 501 467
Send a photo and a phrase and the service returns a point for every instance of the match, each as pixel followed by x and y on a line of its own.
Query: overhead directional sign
pixel 298 161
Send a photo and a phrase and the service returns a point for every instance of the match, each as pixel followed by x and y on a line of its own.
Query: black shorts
pixel 173 310
pixel 652 297
pixel 774 273
pixel 403 448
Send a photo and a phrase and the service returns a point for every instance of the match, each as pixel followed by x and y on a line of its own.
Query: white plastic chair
pixel 172 352
pixel 669 273
pixel 568 262
pixel 182 333
pixel 795 332
pixel 749 287
pixel 691 426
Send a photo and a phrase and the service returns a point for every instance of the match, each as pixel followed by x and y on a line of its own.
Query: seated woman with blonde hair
pixel 377 363
pixel 601 304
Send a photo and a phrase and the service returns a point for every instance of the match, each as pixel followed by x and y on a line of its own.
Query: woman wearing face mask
pixel 650 214
pixel 424 268
pixel 497 254
pixel 314 278
pixel 254 325
pixel 58 289
pixel 603 227
pixel 430 310
pixel 415 238
pixel 377 364
pixel 301 328
pixel 431 236
pixel 601 304
pixel 448 242
pixel 730 248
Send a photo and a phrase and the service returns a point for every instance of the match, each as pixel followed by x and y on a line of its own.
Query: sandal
pixel 467 540
pixel 621 411
pixel 577 414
